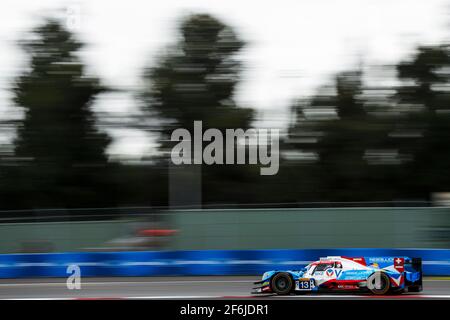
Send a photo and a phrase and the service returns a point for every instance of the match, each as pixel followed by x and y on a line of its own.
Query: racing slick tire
pixel 384 284
pixel 282 283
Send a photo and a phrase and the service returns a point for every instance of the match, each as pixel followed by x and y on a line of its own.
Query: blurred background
pixel 90 92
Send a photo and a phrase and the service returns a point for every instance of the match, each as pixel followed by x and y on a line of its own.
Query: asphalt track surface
pixel 224 287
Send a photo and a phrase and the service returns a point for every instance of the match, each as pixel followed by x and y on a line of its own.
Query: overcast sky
pixel 293 45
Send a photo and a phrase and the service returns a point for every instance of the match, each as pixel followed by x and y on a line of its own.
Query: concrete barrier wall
pixel 312 228
pixel 249 230
pixel 60 236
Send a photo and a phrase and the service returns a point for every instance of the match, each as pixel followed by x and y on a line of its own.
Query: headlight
pixel 266 274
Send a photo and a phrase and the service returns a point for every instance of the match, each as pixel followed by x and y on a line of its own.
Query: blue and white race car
pixel 378 275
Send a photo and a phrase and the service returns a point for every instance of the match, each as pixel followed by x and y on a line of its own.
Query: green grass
pixel 437 278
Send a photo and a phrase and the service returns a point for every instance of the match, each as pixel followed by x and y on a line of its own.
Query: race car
pixel 376 275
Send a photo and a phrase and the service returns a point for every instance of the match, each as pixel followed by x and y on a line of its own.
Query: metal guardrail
pixel 110 213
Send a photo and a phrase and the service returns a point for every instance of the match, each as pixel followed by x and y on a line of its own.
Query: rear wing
pixel 415 264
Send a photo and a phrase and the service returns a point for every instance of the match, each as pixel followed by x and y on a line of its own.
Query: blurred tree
pixel 197 78
pixel 345 140
pixel 374 148
pixel 60 152
pixel 423 100
pixel 195 81
pixel 341 151
pixel 336 120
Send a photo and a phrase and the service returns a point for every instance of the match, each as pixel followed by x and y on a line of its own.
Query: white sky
pixel 293 45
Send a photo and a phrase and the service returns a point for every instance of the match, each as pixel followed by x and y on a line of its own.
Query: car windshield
pixel 324 266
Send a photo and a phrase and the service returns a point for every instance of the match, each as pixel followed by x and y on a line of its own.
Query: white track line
pixel 243 297
pixel 125 282
pixel 171 282
pixel 20 299
pixel 367 297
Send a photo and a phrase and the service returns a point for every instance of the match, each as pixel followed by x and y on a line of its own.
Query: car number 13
pixel 305 285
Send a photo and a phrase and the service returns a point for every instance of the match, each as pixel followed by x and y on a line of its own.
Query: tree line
pixel 349 142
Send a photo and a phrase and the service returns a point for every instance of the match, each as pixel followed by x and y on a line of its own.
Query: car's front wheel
pixel 378 283
pixel 282 283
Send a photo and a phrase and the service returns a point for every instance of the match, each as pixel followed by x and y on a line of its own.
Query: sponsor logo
pixel 355 274
pixel 329 272
pixel 347 286
pixel 399 264
pixel 381 259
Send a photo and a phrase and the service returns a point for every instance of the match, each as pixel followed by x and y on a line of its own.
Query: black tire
pixel 282 283
pixel 383 286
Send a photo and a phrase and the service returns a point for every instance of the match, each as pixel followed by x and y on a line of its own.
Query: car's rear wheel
pixel 282 283
pixel 378 283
